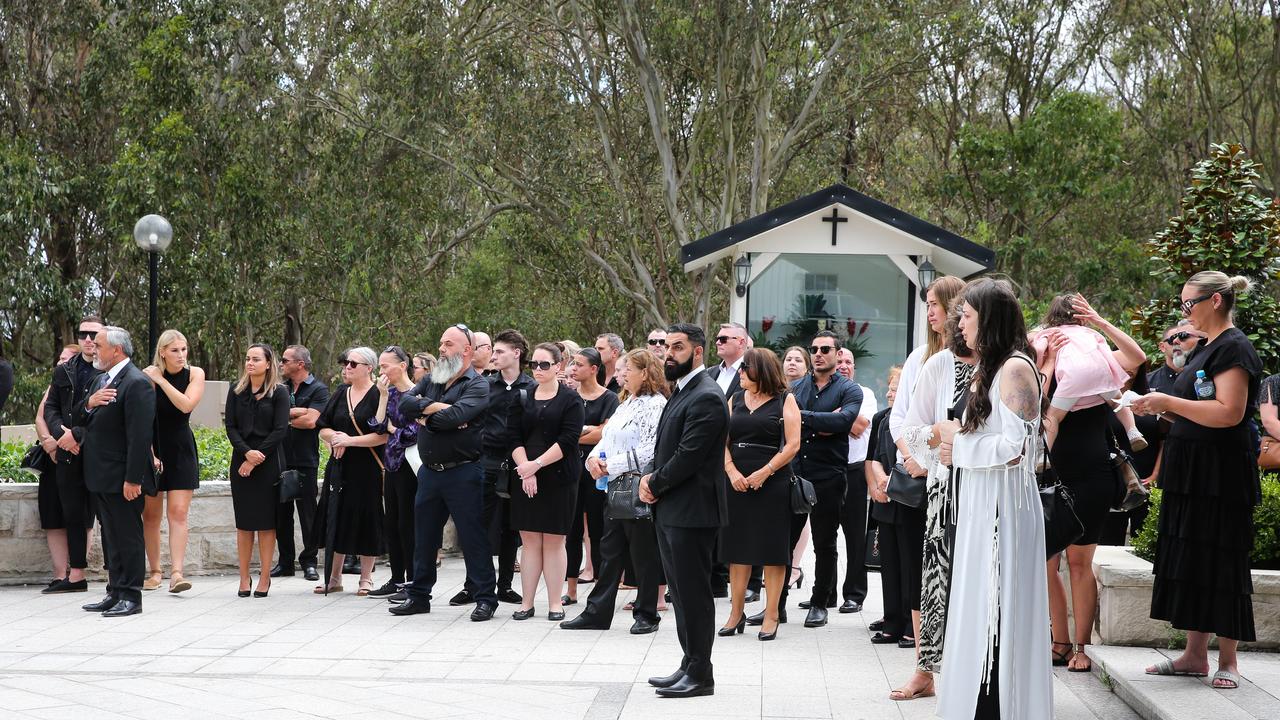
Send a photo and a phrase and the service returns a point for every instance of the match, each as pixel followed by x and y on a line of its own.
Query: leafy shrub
pixel 1266 527
pixel 10 464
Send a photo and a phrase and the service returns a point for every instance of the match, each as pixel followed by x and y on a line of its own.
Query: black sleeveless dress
pixel 174 444
pixel 759 529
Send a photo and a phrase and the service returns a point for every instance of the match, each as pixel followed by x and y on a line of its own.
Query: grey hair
pixel 119 337
pixel 363 354
pixel 737 326
pixel 303 355
pixel 614 341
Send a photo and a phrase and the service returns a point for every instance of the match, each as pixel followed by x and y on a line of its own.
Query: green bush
pixel 10 464
pixel 1266 527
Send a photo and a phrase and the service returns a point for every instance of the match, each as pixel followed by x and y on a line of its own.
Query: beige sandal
pixel 178 584
pixel 153 581
pixel 320 589
pixel 902 694
pixel 365 587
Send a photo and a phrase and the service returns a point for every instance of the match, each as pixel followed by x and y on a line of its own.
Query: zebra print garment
pixel 938 544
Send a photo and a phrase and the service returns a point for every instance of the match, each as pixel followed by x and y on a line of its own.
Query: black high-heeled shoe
pixel 263 593
pixel 739 628
pixel 797 577
pixel 767 636
pixel 242 593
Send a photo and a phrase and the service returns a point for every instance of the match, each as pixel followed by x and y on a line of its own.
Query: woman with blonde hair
pixel 179 388
pixel 257 420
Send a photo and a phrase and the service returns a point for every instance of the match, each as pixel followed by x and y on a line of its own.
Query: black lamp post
pixel 927 273
pixel 742 271
pixel 153 234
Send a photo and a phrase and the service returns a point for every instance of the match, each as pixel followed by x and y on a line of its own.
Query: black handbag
pixel 803 496
pixel 289 486
pixel 502 483
pixel 622 500
pixel 1062 526
pixel 907 489
pixel 36 460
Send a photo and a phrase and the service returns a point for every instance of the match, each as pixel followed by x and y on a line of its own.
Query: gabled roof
pixel 719 245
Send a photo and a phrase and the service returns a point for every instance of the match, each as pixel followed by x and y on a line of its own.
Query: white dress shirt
pixel 727 373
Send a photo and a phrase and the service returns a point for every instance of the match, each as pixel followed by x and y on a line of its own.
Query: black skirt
pixel 759 529
pixel 51 517
pixel 349 518
pixel 1202 579
pixel 549 511
pixel 1081 456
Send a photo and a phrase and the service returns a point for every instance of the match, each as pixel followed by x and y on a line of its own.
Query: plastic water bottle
pixel 602 482
pixel 1204 387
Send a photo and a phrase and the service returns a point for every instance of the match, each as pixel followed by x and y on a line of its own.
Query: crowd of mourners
pixel 649 470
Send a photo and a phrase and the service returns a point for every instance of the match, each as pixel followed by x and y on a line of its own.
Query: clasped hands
pixel 946 432
pixel 252 459
pixel 742 483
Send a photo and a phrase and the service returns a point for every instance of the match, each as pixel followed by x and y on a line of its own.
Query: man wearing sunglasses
pixel 66 416
pixel 657 341
pixel 829 405
pixel 451 404
pixel 1176 344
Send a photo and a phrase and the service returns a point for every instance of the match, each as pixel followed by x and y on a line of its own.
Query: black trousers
pixel 988 707
pixel 901 567
pixel 497 520
pixel 77 507
pixel 590 506
pixel 399 491
pixel 123 544
pixel 623 539
pixel 306 507
pixel 824 522
pixel 853 521
pixel 456 492
pixel 686 559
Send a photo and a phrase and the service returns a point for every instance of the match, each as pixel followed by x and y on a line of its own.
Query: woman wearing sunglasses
pixel 356 469
pixel 1209 476
pixel 547 464
pixel 598 404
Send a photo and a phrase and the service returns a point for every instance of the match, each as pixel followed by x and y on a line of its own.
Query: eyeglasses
pixel 657 341
pixel 353 364
pixel 1176 338
pixel 86 334
pixel 822 349
pixel 542 365
pixel 1188 304
pixel 483 345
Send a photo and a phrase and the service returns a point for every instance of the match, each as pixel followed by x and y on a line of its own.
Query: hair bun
pixel 1240 284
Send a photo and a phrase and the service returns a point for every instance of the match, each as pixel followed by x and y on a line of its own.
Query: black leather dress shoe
pixel 102 605
pixel 882 638
pixel 817 617
pixel 309 572
pixel 752 596
pixel 411 607
pixel 483 611
pixel 62 585
pixel 509 596
pixel 907 643
pixel 668 680
pixel 584 622
pixel 124 608
pixel 876 625
pixel 850 606
pixel 758 618
pixel 280 571
pixel 351 565
pixel 687 687
pixel 643 627
pixel 462 598
pixel 806 604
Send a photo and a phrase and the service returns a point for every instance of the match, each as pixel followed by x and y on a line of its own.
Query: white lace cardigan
pixel 633 426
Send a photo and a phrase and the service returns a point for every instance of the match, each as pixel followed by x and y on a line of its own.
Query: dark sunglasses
pixel 466 331
pixel 84 334
pixel 1176 338
pixel 722 339
pixel 822 349
pixel 1186 305
pixel 658 341
pixel 353 364
pixel 543 365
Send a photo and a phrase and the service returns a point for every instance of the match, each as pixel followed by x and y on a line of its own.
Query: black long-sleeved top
pixel 826 415
pixel 68 390
pixel 543 423
pixel 257 424
pixel 455 434
pixel 501 436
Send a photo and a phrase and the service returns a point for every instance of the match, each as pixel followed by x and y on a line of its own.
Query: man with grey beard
pixel 1176 343
pixel 451 405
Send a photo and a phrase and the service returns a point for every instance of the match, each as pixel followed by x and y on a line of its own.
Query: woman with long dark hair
pixel 598 403
pixel 401 483
pixel 1210 483
pixel 996 653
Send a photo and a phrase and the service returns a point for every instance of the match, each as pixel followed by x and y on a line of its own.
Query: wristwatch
pixel 537 462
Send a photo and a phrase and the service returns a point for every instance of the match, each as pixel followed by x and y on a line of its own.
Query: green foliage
pixel 1266 527
pixel 11 470
pixel 1226 225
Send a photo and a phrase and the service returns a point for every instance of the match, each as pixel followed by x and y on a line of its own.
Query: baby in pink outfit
pixel 1087 371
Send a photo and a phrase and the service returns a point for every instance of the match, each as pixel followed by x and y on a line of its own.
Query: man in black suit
pixel 117 455
pixel 688 492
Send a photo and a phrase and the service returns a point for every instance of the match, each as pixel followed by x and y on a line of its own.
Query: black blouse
pixel 254 424
pixel 1229 350
pixel 544 423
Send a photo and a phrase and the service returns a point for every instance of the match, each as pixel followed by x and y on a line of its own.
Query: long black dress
pixel 354 481
pixel 1081 455
pixel 256 424
pixel 174 443
pixel 1210 481
pixel 759 529
pixel 590 500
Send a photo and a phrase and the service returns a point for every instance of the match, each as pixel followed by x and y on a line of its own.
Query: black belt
pixel 441 467
pixel 756 446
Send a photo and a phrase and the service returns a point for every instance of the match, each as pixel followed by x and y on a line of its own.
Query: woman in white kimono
pixel 996 652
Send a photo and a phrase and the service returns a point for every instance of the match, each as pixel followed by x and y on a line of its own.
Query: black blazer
pixel 734 382
pixel 560 422
pixel 118 436
pixel 688 476
pixel 65 407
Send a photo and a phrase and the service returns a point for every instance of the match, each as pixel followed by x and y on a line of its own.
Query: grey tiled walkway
pixel 209 654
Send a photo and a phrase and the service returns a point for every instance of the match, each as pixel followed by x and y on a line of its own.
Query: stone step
pixel 1187 698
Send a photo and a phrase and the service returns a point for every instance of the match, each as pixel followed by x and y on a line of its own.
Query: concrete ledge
pixel 1188 698
pixel 211 545
pixel 1124 602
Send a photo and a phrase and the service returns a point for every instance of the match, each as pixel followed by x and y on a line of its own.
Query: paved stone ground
pixel 209 654
pixel 1185 698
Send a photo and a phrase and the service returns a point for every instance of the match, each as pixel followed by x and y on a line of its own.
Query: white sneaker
pixel 1136 441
